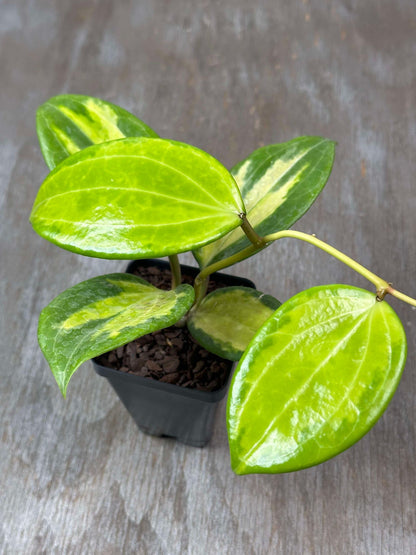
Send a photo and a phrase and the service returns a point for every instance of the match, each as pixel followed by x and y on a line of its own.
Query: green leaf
pixel 71 122
pixel 314 380
pixel 227 319
pixel 101 314
pixel 137 198
pixel 278 183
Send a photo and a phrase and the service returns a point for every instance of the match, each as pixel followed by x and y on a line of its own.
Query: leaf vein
pixel 293 399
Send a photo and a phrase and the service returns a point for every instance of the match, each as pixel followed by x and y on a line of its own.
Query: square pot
pixel 163 409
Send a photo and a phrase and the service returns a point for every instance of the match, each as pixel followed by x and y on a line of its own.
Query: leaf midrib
pixel 112 224
pixel 287 346
pixel 139 156
pixel 333 351
pixel 130 189
pixel 346 395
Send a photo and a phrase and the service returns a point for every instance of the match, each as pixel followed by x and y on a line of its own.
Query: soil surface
pixel 170 355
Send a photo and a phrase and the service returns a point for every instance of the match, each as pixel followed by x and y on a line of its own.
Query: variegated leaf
pixel 101 314
pixel 278 184
pixel 314 379
pixel 137 198
pixel 227 319
pixel 71 122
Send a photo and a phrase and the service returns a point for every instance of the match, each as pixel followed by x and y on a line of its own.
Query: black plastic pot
pixel 163 409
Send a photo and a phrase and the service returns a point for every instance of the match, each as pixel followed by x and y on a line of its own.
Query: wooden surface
pixel 76 476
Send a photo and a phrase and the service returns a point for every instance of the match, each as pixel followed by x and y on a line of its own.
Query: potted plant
pixel 314 374
pixel 186 382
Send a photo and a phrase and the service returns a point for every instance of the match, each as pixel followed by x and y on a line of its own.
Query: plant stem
pixel 201 286
pixel 377 281
pixel 221 264
pixel 251 233
pixel 176 270
pixel 401 296
pixel 258 243
pixel 382 286
pixel 201 280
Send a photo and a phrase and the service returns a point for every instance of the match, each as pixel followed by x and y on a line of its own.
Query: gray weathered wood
pixel 76 476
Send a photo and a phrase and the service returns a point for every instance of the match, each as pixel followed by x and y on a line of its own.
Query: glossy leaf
pixel 227 319
pixel 278 184
pixel 314 380
pixel 137 198
pixel 71 122
pixel 101 314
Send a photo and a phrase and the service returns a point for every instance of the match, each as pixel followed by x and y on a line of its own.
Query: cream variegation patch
pixel 260 211
pixel 101 123
pixel 266 205
pixel 269 179
pixel 231 318
pixel 263 196
pixel 110 306
pixel 101 310
pixel 152 306
pixel 241 175
pixel 65 140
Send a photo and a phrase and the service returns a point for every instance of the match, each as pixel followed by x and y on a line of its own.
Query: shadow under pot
pixel 163 409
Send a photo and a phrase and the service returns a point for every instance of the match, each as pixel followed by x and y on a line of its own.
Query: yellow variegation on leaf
pixel 278 184
pixel 68 123
pixel 227 319
pixel 137 198
pixel 315 378
pixel 104 313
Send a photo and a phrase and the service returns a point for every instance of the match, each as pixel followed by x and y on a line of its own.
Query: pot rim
pixel 205 396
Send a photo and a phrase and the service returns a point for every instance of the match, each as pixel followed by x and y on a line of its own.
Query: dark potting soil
pixel 170 355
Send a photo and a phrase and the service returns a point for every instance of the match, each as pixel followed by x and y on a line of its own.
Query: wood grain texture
pixel 76 476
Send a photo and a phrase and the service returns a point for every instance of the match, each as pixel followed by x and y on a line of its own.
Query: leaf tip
pixel 62 384
pixel 238 466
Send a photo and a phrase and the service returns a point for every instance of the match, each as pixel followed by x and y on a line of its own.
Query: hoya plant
pixel 315 373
